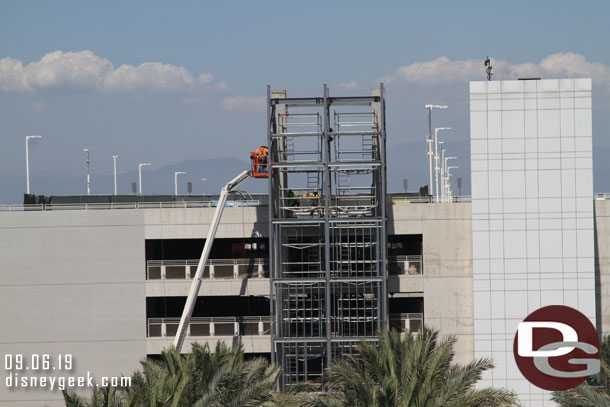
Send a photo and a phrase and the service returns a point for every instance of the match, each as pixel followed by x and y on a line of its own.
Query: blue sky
pixel 169 81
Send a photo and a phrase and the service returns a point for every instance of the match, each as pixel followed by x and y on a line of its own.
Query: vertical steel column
pixel 429 147
pixel 327 198
pixel 383 235
pixel 272 251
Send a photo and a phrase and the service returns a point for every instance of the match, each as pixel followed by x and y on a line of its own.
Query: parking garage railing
pixel 401 200
pixel 252 268
pixel 405 265
pixel 211 326
pixel 407 322
pixel 125 205
pixel 214 269
pixel 255 325
pixel 396 200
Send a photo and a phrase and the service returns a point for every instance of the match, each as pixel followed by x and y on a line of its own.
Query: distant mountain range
pixel 405 161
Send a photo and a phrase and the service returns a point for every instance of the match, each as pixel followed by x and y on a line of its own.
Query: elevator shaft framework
pixel 327 217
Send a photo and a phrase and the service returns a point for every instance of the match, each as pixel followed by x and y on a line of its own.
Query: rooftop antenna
pixel 489 69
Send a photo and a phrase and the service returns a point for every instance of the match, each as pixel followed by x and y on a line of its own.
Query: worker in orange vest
pixel 262 154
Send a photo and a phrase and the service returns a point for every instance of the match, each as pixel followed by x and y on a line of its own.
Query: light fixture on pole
pixel 445 159
pixel 436 158
pixel 27 161
pixel 429 141
pixel 88 151
pixel 114 157
pixel 176 181
pixel 442 173
pixel 448 183
pixel 203 181
pixel 140 174
pixel 449 158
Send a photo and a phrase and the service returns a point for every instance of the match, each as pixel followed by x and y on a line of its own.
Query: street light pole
pixel 27 161
pixel 88 150
pixel 203 181
pixel 446 180
pixel 442 175
pixel 114 157
pixel 436 158
pixel 429 142
pixel 449 194
pixel 176 181
pixel 140 174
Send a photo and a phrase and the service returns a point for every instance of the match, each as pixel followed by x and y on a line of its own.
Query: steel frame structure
pixel 327 228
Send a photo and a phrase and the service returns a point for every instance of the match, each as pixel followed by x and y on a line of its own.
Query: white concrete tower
pixel 532 212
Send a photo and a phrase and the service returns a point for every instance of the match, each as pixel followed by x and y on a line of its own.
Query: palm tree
pixel 413 371
pixel 102 397
pixel 595 391
pixel 203 378
pixel 302 395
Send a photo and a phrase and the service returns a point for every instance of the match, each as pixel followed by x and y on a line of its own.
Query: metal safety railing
pixel 206 204
pixel 401 200
pixel 210 326
pixel 254 268
pixel 405 265
pixel 214 269
pixel 125 205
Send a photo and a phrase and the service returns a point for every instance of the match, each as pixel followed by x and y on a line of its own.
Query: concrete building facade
pixel 88 283
pixel 108 286
pixel 532 213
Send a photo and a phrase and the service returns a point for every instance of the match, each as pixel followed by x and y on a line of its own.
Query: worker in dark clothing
pixel 293 201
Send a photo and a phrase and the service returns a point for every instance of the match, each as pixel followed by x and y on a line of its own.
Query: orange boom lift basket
pixel 260 162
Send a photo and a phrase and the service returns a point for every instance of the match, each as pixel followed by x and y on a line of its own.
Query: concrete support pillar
pixel 212 330
pixel 211 271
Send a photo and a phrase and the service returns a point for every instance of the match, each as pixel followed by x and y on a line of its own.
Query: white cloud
pixel 348 85
pixel 86 70
pixel 566 65
pixel 436 71
pixel 223 87
pixel 243 103
pixel 151 77
pixel 205 78
pixel 11 76
pixel 443 70
pixel 81 69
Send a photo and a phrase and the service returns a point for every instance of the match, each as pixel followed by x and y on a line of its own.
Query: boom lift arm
pixel 196 284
